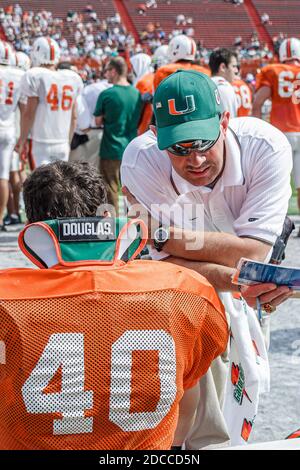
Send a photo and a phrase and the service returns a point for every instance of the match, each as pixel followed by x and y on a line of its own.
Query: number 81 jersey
pixel 57 91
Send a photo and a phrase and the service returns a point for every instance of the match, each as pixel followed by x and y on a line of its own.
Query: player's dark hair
pixel 63 189
pixel 218 57
pixel 119 64
pixel 64 66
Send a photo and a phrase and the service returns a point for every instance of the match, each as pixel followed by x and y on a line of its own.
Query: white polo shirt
pixel 83 114
pixel 251 197
pixel 91 94
pixel 227 95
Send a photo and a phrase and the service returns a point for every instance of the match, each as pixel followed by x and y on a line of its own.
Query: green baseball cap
pixel 187 107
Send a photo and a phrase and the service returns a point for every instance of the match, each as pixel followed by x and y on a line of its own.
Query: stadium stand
pixel 284 16
pixel 103 8
pixel 215 22
pixel 259 25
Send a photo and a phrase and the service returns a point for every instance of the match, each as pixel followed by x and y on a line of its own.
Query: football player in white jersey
pixel 50 112
pixel 10 88
pixel 23 61
pixel 224 70
pixel 17 173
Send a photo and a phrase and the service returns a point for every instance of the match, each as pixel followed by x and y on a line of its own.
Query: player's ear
pixel 224 122
pixel 222 67
pixel 106 210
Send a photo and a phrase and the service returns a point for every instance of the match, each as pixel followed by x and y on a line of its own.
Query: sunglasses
pixel 185 149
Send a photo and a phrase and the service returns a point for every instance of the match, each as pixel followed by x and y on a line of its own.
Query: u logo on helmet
pixel 190 106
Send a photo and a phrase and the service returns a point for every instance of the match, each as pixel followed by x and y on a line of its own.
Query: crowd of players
pixel 40 129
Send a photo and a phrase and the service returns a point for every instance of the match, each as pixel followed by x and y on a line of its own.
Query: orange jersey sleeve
pixel 145 85
pixel 283 80
pixel 244 97
pixel 166 70
pixel 100 358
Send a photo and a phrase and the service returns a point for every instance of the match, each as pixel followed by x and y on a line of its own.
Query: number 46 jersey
pixel 284 81
pixel 99 357
pixel 57 91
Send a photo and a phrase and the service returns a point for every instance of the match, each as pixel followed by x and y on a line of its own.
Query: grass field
pixel 293 209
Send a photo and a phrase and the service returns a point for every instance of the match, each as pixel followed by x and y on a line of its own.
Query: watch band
pixel 160 237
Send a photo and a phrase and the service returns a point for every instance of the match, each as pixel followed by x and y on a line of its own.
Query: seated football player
pixel 98 350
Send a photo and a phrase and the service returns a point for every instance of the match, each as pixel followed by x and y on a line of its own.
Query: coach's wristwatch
pixel 160 237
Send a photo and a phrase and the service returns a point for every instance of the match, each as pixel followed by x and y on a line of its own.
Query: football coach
pixel 238 172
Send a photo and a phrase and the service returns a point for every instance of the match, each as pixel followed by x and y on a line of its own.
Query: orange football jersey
pixel 99 357
pixel 166 70
pixel 244 97
pixel 284 81
pixel 145 85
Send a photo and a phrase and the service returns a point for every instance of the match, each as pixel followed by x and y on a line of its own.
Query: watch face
pixel 161 234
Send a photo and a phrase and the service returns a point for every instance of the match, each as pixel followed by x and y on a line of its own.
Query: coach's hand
pixel 267 293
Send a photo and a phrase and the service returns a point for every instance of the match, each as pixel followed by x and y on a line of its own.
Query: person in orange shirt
pixel 145 85
pixel 281 83
pixel 98 353
pixel 182 53
pixel 244 97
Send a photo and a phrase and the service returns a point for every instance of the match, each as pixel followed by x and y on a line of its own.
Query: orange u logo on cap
pixel 190 106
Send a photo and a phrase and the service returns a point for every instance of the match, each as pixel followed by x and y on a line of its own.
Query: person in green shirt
pixel 118 108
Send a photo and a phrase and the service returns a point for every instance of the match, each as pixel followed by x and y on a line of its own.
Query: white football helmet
pixel 181 47
pixel 13 59
pixel 289 49
pixel 23 61
pixel 6 53
pixel 160 56
pixel 141 64
pixel 45 51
